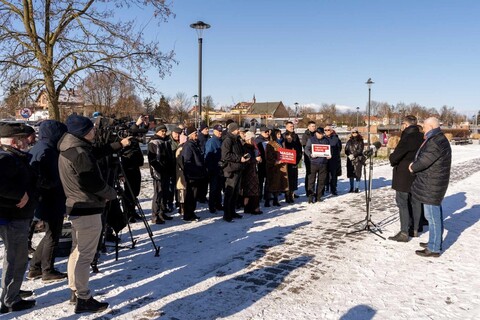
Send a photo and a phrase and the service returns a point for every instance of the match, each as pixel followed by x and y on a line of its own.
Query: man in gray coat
pixel 431 167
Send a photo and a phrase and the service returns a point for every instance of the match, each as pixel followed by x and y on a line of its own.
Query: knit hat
pixel 177 130
pixel 79 126
pixel 161 127
pixel 232 127
pixel 218 127
pixel 203 126
pixel 190 130
pixel 9 130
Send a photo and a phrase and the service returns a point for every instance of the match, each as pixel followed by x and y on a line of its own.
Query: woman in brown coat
pixel 277 174
pixel 250 184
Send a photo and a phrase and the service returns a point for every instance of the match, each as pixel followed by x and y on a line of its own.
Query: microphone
pixel 373 148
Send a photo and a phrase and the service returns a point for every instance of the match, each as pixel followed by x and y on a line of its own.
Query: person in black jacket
pixel 232 156
pixel 213 155
pixel 203 137
pixel 318 166
pixel 355 159
pixel 51 208
pixel 310 132
pixel 17 204
pixel 87 194
pixel 162 168
pixel 292 142
pixel 334 164
pixel 409 211
pixel 431 167
pixel 195 172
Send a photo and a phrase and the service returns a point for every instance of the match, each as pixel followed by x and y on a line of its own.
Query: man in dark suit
pixel 402 180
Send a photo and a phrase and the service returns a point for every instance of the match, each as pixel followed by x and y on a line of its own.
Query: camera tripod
pixel 115 215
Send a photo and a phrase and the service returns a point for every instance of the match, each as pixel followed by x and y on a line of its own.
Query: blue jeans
pixel 434 215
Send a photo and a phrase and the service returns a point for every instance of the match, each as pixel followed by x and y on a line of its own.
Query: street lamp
pixel 369 84
pixel 358 108
pixel 200 26
pixel 296 110
pixel 195 97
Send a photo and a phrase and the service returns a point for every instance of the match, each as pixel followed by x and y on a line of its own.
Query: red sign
pixel 287 155
pixel 321 150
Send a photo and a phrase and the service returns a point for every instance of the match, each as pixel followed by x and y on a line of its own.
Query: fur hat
pixel 10 130
pixel 79 126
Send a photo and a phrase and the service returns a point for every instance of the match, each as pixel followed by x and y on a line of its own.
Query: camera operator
pixel 132 159
pixel 87 193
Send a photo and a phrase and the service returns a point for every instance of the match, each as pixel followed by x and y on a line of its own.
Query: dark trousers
pixel 318 172
pixel 161 195
pixel 191 194
pixel 331 178
pixel 215 195
pixel 306 161
pixel 410 211
pixel 232 187
pixel 44 258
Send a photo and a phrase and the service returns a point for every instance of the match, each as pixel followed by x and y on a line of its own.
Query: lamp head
pixel 369 83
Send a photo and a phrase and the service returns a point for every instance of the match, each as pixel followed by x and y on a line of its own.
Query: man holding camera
pixel 232 155
pixel 87 193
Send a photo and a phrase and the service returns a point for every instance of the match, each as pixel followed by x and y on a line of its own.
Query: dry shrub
pixel 393 142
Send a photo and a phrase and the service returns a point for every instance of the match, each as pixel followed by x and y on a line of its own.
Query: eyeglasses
pixel 355 132
pixel 327 130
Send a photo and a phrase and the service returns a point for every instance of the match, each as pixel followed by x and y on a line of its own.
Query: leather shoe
pixel 237 216
pixel 227 219
pixel 400 237
pixel 423 244
pixel 427 253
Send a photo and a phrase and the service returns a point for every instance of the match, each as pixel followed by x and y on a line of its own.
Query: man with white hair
pixel 16 211
pixel 431 167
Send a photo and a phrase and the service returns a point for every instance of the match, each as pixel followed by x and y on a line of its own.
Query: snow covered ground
pixel 292 262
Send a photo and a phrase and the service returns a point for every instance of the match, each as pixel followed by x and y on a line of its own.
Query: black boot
pixel 90 305
pixel 165 217
pixel 267 203
pixel 275 202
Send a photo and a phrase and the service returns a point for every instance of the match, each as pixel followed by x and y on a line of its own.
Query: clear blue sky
pixel 316 51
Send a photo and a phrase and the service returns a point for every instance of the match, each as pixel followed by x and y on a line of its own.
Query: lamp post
pixel 358 108
pixel 195 97
pixel 296 110
pixel 199 26
pixel 369 84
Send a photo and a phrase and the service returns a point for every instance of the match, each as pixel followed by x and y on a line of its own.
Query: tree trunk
pixel 52 98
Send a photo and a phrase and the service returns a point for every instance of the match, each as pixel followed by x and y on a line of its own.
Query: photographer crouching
pixel 86 192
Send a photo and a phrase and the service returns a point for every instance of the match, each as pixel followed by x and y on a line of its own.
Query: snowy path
pixel 292 262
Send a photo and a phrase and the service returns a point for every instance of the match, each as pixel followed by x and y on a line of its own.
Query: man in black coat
pixel 51 208
pixel 295 144
pixel 261 141
pixel 310 132
pixel 195 172
pixel 410 140
pixel 17 204
pixel 334 164
pixel 431 167
pixel 232 155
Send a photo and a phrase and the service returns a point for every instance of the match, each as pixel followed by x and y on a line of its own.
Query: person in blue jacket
pixel 213 155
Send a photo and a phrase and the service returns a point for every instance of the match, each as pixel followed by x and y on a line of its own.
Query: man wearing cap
pixel 162 166
pixel 318 166
pixel 232 155
pixel 261 142
pixel 203 137
pixel 213 155
pixel 193 162
pixel 87 193
pixel 17 204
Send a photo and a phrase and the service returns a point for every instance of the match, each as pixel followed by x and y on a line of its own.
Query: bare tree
pixel 180 105
pixel 329 112
pixel 54 42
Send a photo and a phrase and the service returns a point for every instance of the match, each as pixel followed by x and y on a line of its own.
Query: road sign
pixel 26 113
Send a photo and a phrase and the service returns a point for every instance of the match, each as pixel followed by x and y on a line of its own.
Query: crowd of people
pixel 234 168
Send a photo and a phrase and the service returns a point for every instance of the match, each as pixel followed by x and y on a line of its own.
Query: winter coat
pixel 193 161
pixel 306 136
pixel 213 155
pixel 404 154
pixel 160 157
pixel 261 144
pixel 355 147
pixel 277 175
pixel 293 168
pixel 308 150
pixel 250 185
pixel 17 177
pixel 202 140
pixel 232 153
pixel 294 145
pixel 335 148
pixel 45 163
pixel 432 169
pixel 82 181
